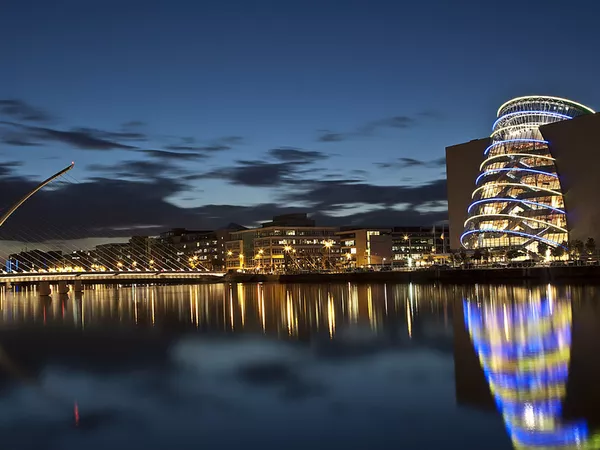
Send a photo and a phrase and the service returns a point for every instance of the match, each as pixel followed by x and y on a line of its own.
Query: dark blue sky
pixel 333 107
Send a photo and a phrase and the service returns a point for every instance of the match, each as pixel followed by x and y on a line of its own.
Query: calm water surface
pixel 292 366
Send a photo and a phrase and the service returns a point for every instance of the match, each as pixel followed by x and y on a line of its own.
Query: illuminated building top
pixel 518 200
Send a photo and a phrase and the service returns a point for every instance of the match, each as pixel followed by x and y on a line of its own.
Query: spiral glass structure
pixel 517 201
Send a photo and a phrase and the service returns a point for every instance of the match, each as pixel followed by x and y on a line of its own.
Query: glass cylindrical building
pixel 518 201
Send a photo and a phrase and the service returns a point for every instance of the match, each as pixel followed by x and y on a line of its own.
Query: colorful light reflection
pixel 524 350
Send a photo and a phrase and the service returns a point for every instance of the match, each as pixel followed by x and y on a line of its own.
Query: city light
pixel 513 141
pixel 518 198
pixel 525 202
pixel 528 386
pixel 514 169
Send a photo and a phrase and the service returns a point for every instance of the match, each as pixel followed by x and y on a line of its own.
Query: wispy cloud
pixel 176 156
pixel 188 144
pixel 404 163
pixel 292 154
pixel 371 128
pixel 19 110
pixel 81 138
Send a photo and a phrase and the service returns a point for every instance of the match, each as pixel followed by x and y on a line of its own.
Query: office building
pixel 33 260
pixel 419 245
pixel 532 181
pixel 288 242
pixel 365 247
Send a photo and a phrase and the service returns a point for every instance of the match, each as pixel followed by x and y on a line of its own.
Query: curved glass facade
pixel 517 201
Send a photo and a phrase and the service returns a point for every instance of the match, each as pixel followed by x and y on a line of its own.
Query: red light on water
pixel 76 411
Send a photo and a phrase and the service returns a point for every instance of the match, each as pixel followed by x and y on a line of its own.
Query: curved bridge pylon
pixel 16 206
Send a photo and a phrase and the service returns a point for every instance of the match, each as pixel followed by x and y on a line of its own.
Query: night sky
pixel 198 113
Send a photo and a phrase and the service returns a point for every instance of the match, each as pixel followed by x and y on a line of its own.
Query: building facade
pixel 419 245
pixel 366 247
pixel 288 242
pixel 517 198
pixel 34 260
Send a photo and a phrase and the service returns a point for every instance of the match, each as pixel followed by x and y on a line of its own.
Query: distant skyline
pixel 197 114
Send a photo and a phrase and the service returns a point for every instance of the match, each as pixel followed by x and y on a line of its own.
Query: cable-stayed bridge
pixel 146 261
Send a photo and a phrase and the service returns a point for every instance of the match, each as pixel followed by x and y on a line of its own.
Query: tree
pixel 463 256
pixel 485 254
pixel 512 254
pixel 477 255
pixel 499 254
pixel 542 249
pixel 576 247
pixel 590 246
pixel 558 251
pixel 455 257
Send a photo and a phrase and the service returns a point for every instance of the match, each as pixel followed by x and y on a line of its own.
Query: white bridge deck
pixel 116 277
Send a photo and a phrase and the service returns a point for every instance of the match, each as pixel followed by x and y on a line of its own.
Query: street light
pixel 407 238
pixel 328 245
pixel 260 257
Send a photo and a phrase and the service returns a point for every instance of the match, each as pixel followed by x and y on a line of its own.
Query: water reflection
pixel 297 311
pixel 335 364
pixel 524 346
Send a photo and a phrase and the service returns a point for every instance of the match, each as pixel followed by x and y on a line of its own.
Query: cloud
pixel 330 195
pixel 139 169
pixel 403 163
pixel 17 141
pixel 81 138
pixel 328 136
pixel 218 145
pixel 101 206
pixel 137 203
pixel 113 135
pixel 133 196
pixel 175 156
pixel 290 167
pixel 253 173
pixel 391 122
pixel 371 128
pixel 231 140
pixel 290 154
pixel 133 124
pixel 204 148
pixel 20 110
pixel 7 168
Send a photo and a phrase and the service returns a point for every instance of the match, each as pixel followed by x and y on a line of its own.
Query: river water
pixel 301 366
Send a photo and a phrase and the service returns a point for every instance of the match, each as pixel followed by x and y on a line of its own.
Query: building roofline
pixel 566 100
